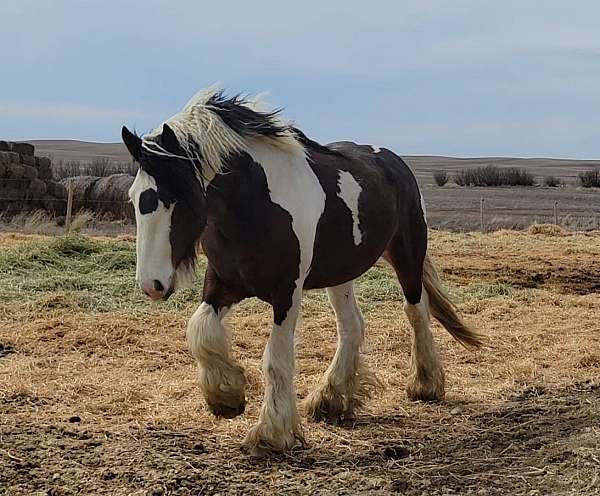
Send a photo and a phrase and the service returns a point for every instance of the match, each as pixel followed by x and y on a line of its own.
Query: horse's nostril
pixel 158 286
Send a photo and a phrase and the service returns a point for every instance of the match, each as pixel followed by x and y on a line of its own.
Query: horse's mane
pixel 212 126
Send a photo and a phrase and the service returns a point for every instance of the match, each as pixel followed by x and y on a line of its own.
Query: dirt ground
pixel 98 394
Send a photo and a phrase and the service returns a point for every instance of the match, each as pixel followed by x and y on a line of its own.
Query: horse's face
pixel 170 216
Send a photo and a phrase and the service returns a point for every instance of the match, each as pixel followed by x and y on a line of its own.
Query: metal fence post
pixel 556 213
pixel 69 205
pixel 482 226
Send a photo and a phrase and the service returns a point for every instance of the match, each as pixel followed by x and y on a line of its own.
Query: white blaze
pixel 153 246
pixel 349 192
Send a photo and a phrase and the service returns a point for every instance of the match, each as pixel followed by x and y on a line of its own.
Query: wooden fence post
pixel 69 205
pixel 482 226
pixel 556 213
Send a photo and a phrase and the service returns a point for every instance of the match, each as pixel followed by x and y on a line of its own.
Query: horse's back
pixel 370 194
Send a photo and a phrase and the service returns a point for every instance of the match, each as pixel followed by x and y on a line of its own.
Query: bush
pixel 440 177
pixel 70 168
pixel 491 175
pixel 590 179
pixel 516 177
pixel 552 181
pixel 479 176
pixel 99 167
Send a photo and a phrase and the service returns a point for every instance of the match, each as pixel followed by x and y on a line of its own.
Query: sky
pixel 434 77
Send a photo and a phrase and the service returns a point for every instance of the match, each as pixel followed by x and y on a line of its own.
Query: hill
pixel 423 165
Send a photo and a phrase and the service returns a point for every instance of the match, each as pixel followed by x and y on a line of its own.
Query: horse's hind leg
pixel 347 383
pixel 426 377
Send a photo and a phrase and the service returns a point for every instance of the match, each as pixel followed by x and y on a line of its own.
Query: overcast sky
pixel 463 78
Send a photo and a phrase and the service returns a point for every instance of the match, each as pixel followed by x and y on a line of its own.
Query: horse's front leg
pixel 222 380
pixel 278 427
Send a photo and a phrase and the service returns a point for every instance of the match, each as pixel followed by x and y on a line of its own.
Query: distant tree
pixel 590 179
pixel 552 181
pixel 491 175
pixel 440 177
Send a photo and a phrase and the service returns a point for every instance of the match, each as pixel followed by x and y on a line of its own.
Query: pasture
pixel 451 207
pixel 98 393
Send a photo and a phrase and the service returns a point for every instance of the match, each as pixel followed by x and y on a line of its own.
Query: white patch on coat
pixel 153 246
pixel 375 149
pixel 294 187
pixel 423 206
pixel 350 192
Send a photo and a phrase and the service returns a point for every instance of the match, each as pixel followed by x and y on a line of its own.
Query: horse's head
pixel 170 212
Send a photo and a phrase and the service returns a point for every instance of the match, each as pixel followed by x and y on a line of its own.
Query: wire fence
pixel 487 217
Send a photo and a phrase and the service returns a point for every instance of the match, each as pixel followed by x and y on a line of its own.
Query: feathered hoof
pixel 224 390
pixel 261 441
pixel 329 408
pixel 429 391
pixel 222 410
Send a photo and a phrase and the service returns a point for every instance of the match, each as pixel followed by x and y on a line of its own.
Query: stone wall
pixel 26 181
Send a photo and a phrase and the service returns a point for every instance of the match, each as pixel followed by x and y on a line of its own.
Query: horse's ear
pixel 132 142
pixel 169 139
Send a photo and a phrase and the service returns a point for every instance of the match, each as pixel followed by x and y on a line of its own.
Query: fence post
pixel 69 205
pixel 482 226
pixel 556 213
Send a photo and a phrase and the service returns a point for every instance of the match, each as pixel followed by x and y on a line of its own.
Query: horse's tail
pixel 444 310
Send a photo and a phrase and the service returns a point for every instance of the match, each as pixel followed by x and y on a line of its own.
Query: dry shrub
pixel 81 220
pixel 99 167
pixel 491 175
pixel 69 168
pixel 547 230
pixel 590 179
pixel 552 181
pixel 440 177
pixel 36 222
pixel 514 176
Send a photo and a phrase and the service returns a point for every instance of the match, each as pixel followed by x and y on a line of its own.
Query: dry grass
pixel 96 372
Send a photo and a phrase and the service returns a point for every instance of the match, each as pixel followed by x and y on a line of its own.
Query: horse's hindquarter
pixel 352 234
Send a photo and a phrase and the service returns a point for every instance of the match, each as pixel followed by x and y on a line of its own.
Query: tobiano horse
pixel 277 213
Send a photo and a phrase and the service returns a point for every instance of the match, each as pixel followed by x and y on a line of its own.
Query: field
pixel 98 394
pixel 450 207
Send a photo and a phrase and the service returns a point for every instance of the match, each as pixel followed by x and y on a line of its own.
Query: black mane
pixel 236 113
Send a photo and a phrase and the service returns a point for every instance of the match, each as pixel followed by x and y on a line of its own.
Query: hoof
pixel 227 411
pixel 224 390
pixel 431 391
pixel 260 444
pixel 334 410
pixel 339 405
pixel 419 393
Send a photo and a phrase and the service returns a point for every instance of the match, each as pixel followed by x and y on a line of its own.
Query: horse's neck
pixel 231 196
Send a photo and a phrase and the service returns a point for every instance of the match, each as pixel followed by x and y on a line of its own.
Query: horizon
pixel 466 79
pixel 458 157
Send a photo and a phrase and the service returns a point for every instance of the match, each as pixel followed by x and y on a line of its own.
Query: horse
pixel 277 213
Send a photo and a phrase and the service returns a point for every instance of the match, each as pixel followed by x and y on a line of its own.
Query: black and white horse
pixel 277 213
